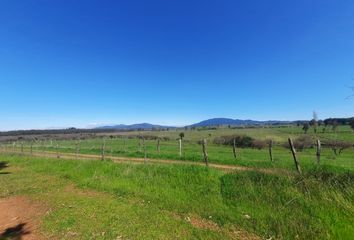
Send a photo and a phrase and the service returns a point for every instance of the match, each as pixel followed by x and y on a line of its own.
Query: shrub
pixel 259 144
pixel 338 146
pixel 303 142
pixel 240 140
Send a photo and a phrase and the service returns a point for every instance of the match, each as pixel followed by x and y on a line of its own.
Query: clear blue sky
pixel 78 63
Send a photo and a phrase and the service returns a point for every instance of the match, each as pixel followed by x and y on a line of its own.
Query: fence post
pixel 234 148
pixel 103 148
pixel 139 150
pixel 77 149
pixel 22 147
pixel 124 145
pixel 158 146
pixel 271 149
pixel 144 146
pixel 205 153
pixel 32 147
pixel 297 165
pixel 318 153
pixel 57 147
pixel 180 147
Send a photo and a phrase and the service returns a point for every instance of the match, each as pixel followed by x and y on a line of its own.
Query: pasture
pixel 101 199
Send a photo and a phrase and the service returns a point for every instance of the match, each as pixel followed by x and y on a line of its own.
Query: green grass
pixel 136 201
pixel 217 153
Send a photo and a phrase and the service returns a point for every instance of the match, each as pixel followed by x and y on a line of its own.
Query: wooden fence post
pixel 57 147
pixel 205 153
pixel 234 148
pixel 180 147
pixel 297 165
pixel 13 146
pixel 77 149
pixel 144 146
pixel 271 150
pixel 318 153
pixel 139 150
pixel 21 147
pixel 32 147
pixel 158 146
pixel 124 145
pixel 103 149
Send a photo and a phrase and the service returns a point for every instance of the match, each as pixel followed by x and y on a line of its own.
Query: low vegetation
pixel 317 205
pixel 167 201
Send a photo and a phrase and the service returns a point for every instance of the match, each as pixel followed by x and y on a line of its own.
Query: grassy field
pixel 104 200
pixel 121 145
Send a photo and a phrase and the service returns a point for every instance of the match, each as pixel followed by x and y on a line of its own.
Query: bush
pixel 259 144
pixel 303 142
pixel 338 146
pixel 241 140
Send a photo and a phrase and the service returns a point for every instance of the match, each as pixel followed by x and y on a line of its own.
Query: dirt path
pixel 223 167
pixel 19 218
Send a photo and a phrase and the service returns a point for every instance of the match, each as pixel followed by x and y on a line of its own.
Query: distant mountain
pixel 235 122
pixel 145 126
pixel 205 123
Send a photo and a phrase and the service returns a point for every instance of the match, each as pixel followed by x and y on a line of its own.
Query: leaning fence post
pixel 271 149
pixel 234 148
pixel 205 154
pixel 297 165
pixel 318 153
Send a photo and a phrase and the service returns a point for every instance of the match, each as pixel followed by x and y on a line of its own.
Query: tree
pixel 314 121
pixel 181 135
pixel 334 126
pixel 305 127
pixel 352 124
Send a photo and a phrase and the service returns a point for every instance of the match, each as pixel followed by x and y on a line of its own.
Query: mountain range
pixel 205 123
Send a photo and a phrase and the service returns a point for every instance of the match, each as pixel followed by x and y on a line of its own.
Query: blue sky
pixel 79 63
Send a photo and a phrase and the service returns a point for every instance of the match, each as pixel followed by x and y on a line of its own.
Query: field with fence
pixel 259 196
pixel 251 149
